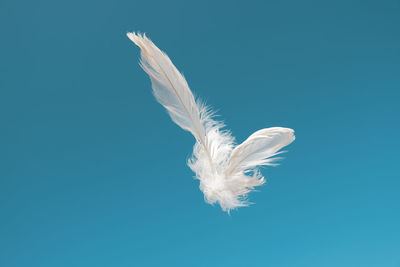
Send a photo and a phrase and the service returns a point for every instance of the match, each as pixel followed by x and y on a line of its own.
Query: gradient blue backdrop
pixel 92 170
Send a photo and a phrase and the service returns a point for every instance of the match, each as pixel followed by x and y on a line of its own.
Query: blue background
pixel 93 172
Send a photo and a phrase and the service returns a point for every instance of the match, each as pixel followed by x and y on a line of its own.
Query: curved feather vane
pixel 226 174
pixel 259 149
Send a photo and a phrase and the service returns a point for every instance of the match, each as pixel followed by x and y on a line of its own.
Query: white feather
pixel 226 174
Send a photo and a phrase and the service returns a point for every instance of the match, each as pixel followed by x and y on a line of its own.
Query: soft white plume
pixel 226 173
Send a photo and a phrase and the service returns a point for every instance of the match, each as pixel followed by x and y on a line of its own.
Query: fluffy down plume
pixel 226 173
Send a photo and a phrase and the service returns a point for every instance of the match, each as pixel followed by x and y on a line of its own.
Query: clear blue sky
pixel 93 172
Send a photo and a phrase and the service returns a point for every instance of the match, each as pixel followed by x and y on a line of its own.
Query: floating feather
pixel 227 173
